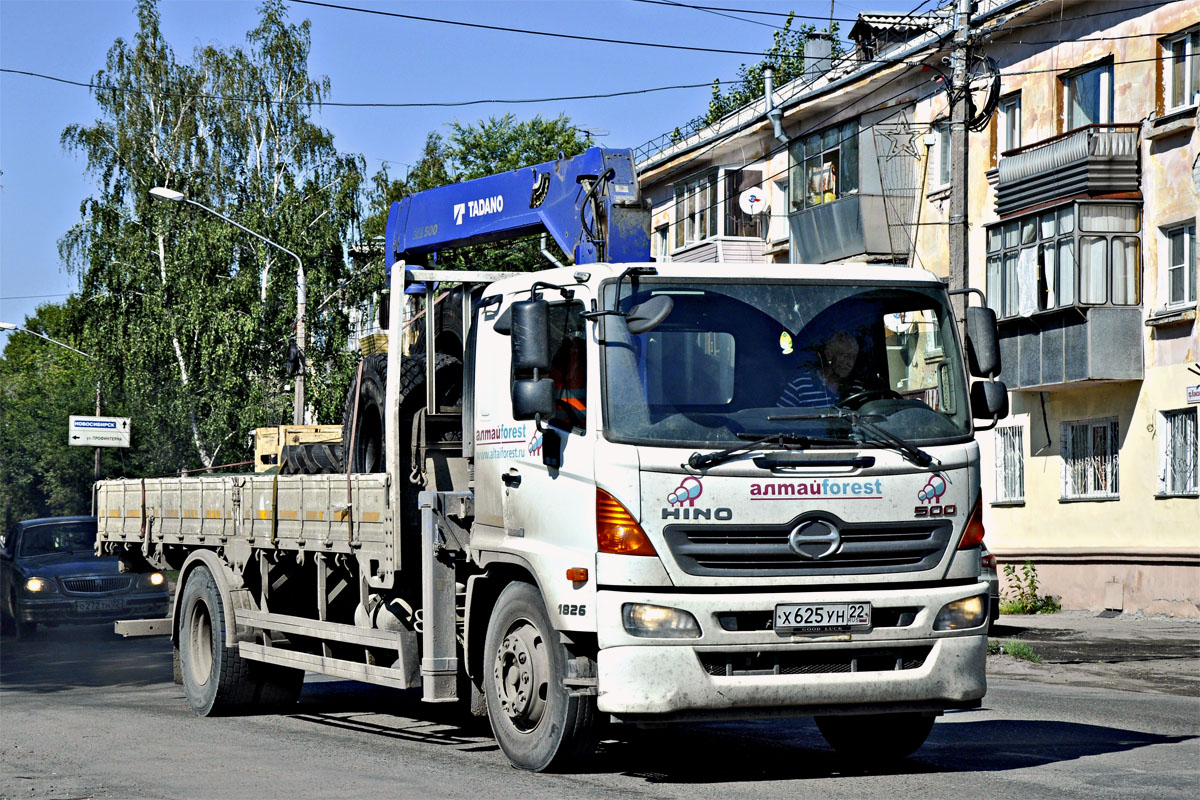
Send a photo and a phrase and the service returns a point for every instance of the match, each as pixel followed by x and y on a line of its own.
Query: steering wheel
pixel 861 398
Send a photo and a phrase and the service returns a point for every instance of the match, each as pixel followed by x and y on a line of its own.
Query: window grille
pixel 1010 464
pixel 1177 469
pixel 1089 452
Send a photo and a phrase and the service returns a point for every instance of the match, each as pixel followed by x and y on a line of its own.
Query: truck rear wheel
pixel 876 737
pixel 216 680
pixel 537 723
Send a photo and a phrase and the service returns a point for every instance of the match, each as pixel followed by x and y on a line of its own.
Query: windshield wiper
pixel 782 440
pixel 879 435
pixel 884 436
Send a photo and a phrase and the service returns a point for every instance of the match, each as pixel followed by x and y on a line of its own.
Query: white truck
pixel 623 501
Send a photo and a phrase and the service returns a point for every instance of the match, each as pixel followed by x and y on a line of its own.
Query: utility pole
pixel 960 92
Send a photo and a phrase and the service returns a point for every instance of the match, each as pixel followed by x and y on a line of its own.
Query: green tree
pixel 41 385
pixel 486 147
pixel 785 57
pixel 189 317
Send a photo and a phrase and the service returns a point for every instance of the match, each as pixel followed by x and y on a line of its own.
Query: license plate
pixel 806 617
pixel 84 606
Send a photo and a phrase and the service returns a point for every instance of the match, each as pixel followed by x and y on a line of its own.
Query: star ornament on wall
pixel 903 141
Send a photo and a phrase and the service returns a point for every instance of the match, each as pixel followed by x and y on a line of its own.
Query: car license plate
pixel 807 617
pixel 83 606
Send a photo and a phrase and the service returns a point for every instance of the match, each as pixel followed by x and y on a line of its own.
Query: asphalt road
pixel 85 714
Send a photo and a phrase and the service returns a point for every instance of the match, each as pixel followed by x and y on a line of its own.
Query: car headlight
pixel 150 579
pixel 659 622
pixel 970 612
pixel 37 585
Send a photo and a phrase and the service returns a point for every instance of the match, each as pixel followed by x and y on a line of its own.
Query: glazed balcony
pixel 1092 160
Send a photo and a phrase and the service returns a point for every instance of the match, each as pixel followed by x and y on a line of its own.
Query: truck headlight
pixel 151 579
pixel 659 622
pixel 39 585
pixel 970 612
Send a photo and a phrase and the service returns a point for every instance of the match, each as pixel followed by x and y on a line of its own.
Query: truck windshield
pixel 734 360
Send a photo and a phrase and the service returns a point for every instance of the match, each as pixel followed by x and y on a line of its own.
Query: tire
pixel 368 453
pixel 873 738
pixel 537 724
pixel 216 680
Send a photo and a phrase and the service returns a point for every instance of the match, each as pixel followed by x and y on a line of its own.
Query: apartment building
pixel 1082 194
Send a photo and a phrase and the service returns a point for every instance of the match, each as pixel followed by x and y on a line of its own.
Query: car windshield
pixel 733 360
pixel 59 537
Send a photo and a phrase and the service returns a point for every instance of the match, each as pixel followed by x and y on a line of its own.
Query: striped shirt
pixel 807 390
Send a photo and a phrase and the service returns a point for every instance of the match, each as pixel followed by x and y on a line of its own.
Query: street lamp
pixel 9 326
pixel 163 193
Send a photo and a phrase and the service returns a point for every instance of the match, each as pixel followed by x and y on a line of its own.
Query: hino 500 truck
pixel 645 491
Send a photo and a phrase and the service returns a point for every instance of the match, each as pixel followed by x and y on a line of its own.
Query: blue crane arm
pixel 589 203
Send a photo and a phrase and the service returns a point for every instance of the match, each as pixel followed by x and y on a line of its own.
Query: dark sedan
pixel 50 575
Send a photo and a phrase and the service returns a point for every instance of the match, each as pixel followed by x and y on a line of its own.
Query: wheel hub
pixel 521 672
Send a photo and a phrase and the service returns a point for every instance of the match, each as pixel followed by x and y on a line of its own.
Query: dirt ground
pixel 1134 653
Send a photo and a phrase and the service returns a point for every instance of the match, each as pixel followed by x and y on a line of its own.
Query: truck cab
pixel 827 563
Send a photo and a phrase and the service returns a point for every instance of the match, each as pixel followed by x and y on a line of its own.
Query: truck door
pixel 549 507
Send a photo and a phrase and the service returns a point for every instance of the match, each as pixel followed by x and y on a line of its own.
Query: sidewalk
pixel 1125 651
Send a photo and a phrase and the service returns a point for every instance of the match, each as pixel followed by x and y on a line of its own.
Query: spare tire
pixel 368 453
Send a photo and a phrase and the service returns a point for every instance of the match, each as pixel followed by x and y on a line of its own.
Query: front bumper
pixel 745 673
pixel 60 609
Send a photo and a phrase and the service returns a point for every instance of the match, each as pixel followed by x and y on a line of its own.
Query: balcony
pixel 1073 347
pixel 1093 160
pixel 853 226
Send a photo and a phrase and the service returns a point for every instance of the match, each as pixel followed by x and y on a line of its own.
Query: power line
pixel 711 11
pixel 1121 8
pixel 529 32
pixel 748 11
pixel 33 296
pixel 444 104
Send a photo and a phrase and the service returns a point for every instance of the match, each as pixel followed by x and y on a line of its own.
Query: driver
pixel 828 385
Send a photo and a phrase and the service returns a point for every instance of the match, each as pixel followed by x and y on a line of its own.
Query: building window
pixel 1089 454
pixel 1178 258
pixel 1177 455
pixel 1010 464
pixel 942 129
pixel 1181 72
pixel 738 222
pixel 695 210
pixel 1089 97
pixel 1010 122
pixel 1078 254
pixel 825 166
pixel 701 213
pixel 662 244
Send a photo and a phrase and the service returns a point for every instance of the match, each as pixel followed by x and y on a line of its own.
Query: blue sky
pixel 369 59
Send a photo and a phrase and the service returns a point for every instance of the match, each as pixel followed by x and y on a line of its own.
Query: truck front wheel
pixel 537 723
pixel 216 680
pixel 872 738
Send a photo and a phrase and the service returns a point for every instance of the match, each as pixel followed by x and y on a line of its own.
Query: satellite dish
pixel 901 322
pixel 753 200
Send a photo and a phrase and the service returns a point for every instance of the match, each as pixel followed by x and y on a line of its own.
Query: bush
pixel 1021 594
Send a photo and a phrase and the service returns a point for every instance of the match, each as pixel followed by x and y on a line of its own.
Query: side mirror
pixel 532 397
pixel 532 394
pixel 989 400
pixel 645 317
pixel 983 343
pixel 530 336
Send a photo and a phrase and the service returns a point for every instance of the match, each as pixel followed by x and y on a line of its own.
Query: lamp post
pixel 9 326
pixel 163 193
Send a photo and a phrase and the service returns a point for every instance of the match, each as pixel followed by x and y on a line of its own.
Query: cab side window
pixel 568 365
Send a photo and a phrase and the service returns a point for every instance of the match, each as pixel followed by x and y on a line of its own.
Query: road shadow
pixel 74 656
pixel 798 752
pixel 765 750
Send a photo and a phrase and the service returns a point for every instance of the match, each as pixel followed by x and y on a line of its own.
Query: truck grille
pixel 819 662
pixel 763 551
pixel 97 585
